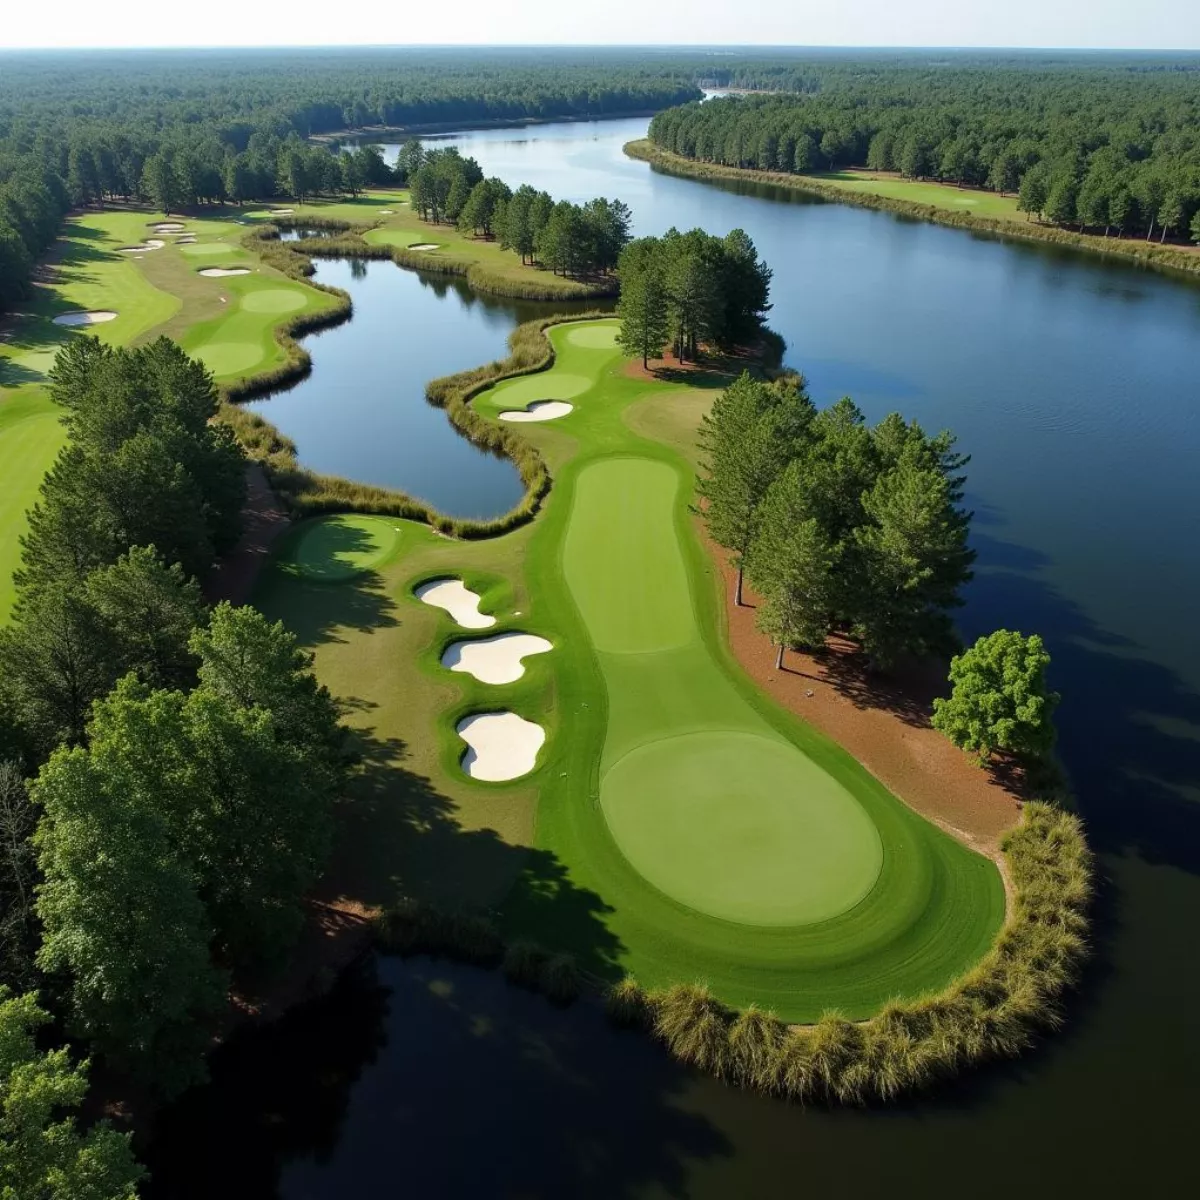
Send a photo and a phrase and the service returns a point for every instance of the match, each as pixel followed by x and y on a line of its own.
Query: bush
pixel 523 964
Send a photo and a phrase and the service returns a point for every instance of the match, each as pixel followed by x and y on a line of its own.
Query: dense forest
pixel 1113 147
pixel 177 129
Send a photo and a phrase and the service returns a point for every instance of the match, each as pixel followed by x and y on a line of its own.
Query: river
pixel 1072 382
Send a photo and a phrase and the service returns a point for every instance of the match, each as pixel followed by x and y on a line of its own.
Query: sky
pixel 1113 24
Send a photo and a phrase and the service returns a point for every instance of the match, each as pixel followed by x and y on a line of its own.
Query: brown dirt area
pixel 265 519
pixel 882 720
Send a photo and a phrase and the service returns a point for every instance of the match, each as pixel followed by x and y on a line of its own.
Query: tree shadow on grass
pixel 399 835
pixel 432 1079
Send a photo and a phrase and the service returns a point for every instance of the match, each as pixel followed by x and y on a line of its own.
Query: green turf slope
pixel 31 434
pixel 716 836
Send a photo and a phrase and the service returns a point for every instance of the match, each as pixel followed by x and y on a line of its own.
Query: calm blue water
pixel 1073 383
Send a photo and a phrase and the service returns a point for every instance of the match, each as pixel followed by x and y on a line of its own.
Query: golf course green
pixel 676 823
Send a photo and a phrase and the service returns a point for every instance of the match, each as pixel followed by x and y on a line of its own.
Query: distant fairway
pixel 30 436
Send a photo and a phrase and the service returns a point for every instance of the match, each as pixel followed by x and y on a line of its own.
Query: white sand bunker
pixel 539 410
pixel 386 212
pixel 501 745
pixel 170 227
pixel 281 212
pixel 148 244
pixel 85 318
pixel 458 600
pixel 222 272
pixel 424 246
pixel 495 659
pixel 183 241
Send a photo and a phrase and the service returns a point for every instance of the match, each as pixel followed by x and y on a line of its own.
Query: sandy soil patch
pixel 495 659
pixel 85 318
pixel 424 246
pixel 540 410
pixel 501 745
pixel 222 272
pixel 883 721
pixel 458 600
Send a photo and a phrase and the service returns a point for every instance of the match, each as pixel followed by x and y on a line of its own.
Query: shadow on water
pixel 484 1090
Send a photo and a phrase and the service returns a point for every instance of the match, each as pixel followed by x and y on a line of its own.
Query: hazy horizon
pixel 1168 26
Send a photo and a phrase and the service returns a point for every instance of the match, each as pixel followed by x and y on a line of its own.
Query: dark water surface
pixel 1073 382
pixel 362 412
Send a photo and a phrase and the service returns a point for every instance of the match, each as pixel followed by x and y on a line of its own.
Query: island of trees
pixel 569 239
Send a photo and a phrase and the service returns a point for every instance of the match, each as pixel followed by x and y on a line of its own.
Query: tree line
pixel 1111 148
pixel 167 772
pixel 844 526
pixel 689 290
pixel 837 523
pixel 569 239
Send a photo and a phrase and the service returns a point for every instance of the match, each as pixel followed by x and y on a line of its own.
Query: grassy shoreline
pixel 1167 258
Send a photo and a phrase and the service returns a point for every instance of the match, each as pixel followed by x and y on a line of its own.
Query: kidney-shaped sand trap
pixel 541 410
pixel 221 272
pixel 424 246
pixel 458 600
pixel 85 318
pixel 501 745
pixel 494 659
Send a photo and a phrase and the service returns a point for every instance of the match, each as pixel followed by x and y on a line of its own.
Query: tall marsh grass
pixel 994 1011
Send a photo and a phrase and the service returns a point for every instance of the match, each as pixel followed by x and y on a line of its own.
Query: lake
pixel 1072 381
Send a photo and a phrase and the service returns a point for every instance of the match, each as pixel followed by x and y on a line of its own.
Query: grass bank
pixel 939 203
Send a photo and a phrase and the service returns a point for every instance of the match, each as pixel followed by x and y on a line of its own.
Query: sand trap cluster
pixel 85 318
pixel 501 745
pixel 222 272
pixel 540 410
pixel 424 246
pixel 458 600
pixel 495 659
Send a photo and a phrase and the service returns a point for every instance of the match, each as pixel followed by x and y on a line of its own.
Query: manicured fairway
pixel 704 798
pixel 229 323
pixel 941 195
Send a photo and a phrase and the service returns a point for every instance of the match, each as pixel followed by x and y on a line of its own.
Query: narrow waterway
pixel 362 413
pixel 1072 382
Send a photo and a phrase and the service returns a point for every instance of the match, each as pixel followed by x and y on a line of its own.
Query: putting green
pixel 595 336
pixel 545 385
pixel 229 358
pixel 336 548
pixel 741 827
pixel 704 798
pixel 198 249
pixel 274 300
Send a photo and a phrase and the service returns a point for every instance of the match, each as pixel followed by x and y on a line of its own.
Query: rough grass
pixel 937 210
